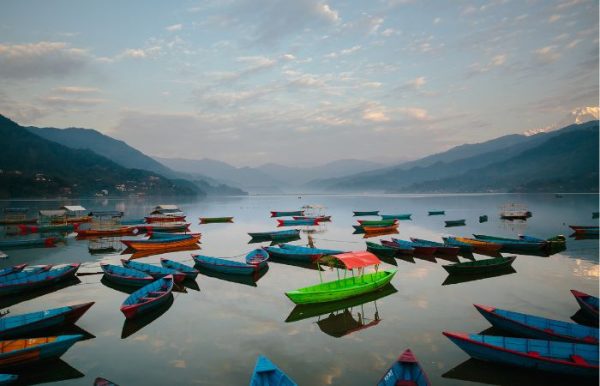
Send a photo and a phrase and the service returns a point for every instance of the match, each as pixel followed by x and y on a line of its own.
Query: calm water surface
pixel 211 334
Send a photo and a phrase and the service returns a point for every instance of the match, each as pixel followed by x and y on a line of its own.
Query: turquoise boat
pixel 405 371
pixel 406 216
pixel 125 276
pixel 23 273
pixel 37 280
pixel 189 272
pixel 13 269
pixel 148 298
pixel 25 351
pixel 7 379
pixel 454 223
pixel 436 212
pixel 513 244
pixel 452 242
pixel 28 243
pixel 311 250
pixel 226 266
pixel 358 213
pixel 275 234
pixel 267 374
pixel 153 270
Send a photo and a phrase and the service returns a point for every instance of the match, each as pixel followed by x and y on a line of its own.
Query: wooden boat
pixel 513 244
pixel 24 228
pixel 403 249
pixel 483 218
pixel 311 250
pixel 514 212
pixel 377 222
pixel 480 245
pixel 318 218
pixel 376 229
pixel 557 357
pixel 358 213
pixel 404 216
pixel 419 249
pixel 151 252
pixel 257 257
pixel 439 247
pixel 287 214
pixel 120 231
pixel 453 242
pixel 275 234
pixel 153 270
pixel 536 327
pixel 436 212
pixel 38 280
pixel 480 266
pixel 167 235
pixel 26 324
pixel 212 220
pixel 12 269
pixel 380 250
pixel 27 243
pixel 126 276
pixel 405 371
pixel 293 255
pixel 290 223
pixel 588 303
pixel 25 351
pixel 164 227
pixel 6 379
pixel 158 218
pixel 348 287
pixel 267 374
pixel 189 272
pixel 225 266
pixel 103 382
pixel 453 223
pixel 25 272
pixel 582 230
pixel 148 297
pixel 162 243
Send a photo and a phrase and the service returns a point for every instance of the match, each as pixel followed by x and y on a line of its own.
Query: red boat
pixel 588 303
pixel 124 230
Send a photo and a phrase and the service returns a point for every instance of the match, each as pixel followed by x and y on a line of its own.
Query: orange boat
pixel 152 252
pixel 377 229
pixel 71 220
pixel 162 243
pixel 124 230
pixel 480 245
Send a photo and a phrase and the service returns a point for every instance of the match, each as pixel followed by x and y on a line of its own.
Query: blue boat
pixel 513 244
pixel 153 270
pixel 556 357
pixel 287 214
pixel 25 272
pixel 126 276
pixel 536 327
pixel 257 257
pixel 292 254
pixel 419 248
pixel 267 374
pixel 406 216
pixel 405 371
pixel 24 351
pixel 25 243
pixel 291 223
pixel 358 229
pixel 399 248
pixel 189 272
pixel 6 379
pixel 366 213
pixel 588 304
pixel 464 247
pixel 275 234
pixel 310 250
pixel 224 265
pixel 24 324
pixel 440 248
pixel 148 297
pixel 171 236
pixel 12 269
pixel 38 280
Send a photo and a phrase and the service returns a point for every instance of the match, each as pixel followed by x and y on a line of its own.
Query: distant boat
pixel 404 216
pixel 405 371
pixel 453 223
pixel 436 212
pixel 289 223
pixel 588 303
pixel 377 222
pixel 267 374
pixel 212 220
pixel 287 214
pixel 118 231
pixel 557 357
pixel 25 351
pixel 148 297
pixel 379 229
pixel 483 218
pixel 514 212
pixel 513 244
pixel 161 243
pixel 440 248
pixel 580 229
pixel 275 234
pixel 26 243
pixel 153 270
pixel 480 266
pixel 321 218
pixel 366 213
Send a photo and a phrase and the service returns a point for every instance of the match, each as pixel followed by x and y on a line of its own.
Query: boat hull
pixel 154 244
pixel 225 266
pixel 36 349
pixel 405 371
pixel 38 280
pixel 125 276
pixel 287 214
pixel 406 216
pixel 586 303
pixel 366 213
pixel 213 220
pixel 480 266
pixel 140 302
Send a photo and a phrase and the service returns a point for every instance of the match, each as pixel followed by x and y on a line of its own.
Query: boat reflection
pixel 191 284
pixel 429 258
pixel 139 254
pixel 278 240
pixel 369 235
pixel 249 280
pixel 581 317
pixel 450 258
pixel 341 318
pixel 457 279
pixel 473 370
pixel 54 370
pixel 11 300
pixel 131 326
pixel 130 289
pixel 580 236
pixel 299 264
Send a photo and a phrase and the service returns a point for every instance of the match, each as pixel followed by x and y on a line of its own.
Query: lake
pixel 212 334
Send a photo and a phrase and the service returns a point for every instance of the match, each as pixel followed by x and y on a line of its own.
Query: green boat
pixel 213 220
pixel 349 286
pixel 379 249
pixel 376 222
pixel 405 216
pixel 453 223
pixel 437 212
pixel 480 266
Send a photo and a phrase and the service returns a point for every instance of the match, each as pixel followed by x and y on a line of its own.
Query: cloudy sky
pixel 299 81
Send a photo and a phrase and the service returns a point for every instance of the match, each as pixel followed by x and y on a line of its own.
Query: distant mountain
pixel 567 162
pixel 32 166
pixel 445 165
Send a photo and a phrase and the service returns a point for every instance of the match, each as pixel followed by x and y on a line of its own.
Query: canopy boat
pixel 317 218
pixel 588 303
pixel 483 218
pixel 225 266
pixel 453 242
pixel 440 248
pixel 119 231
pixel 164 227
pixel 161 243
pixel 436 212
pixel 189 272
pixel 38 280
pixel 103 382
pixel 536 327
pixel 6 379
pixel 275 234
pixel 13 269
pixel 358 213
pixel 126 276
pixel 212 220
pixel 404 216
pixel 164 218
pixel 267 374
pixel 290 223
pixel 148 297
pixel 380 250
pixel 378 222
pixel 419 249
pixel 582 230
pixel 258 258
pixel 480 266
pixel 26 243
pixel 24 228
pixel 154 271
pixel 480 245
pixel 557 357
pixel 404 249
pixel 454 223
pixel 25 351
pixel 287 214
pixel 513 244
pixel 348 286
pixel 405 371
pixel 26 324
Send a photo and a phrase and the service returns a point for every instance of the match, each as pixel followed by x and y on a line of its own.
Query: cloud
pixel 61 101
pixel 346 51
pixel 494 62
pixel 388 32
pixel 547 55
pixel 374 112
pixel 437 20
pixel 140 53
pixel 41 59
pixel 417 83
pixel 174 27
pixel 416 113
pixel 553 18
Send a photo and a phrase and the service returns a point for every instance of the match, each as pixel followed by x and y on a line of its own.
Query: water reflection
pixel 279 240
pixel 54 370
pixel 131 326
pixel 293 263
pixel 380 233
pixel 581 317
pixel 457 279
pixel 249 280
pixel 11 300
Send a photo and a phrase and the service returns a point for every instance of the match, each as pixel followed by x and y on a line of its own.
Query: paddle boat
pixel 25 351
pixel 213 220
pixel 189 272
pixel 319 218
pixel 47 228
pixel 513 244
pixel 287 214
pixel 405 371
pixel 348 286
pixel 167 235
pixel 378 222
pixel 153 270
pixel 39 279
pixel 12 269
pixel 148 297
pixel 483 218
pixel 161 243
pixel 164 218
pixel 368 229
pixel 258 258
pixel 436 212
pixel 164 227
pixel 24 272
pixel 358 213
pixel 227 266
pixel 478 267
pixel 453 242
pixel 588 303
pixel 439 247
pixel 380 250
pixel 126 276
pixel 301 254
pixel 267 374
pixel 118 231
pixel 404 216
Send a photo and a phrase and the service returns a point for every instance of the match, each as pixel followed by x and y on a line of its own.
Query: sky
pixel 299 82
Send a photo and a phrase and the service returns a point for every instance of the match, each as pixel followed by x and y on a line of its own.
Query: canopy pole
pixel 319 269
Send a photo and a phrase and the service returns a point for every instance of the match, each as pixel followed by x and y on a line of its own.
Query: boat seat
pixel 533 353
pixel 406 383
pixel 578 360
